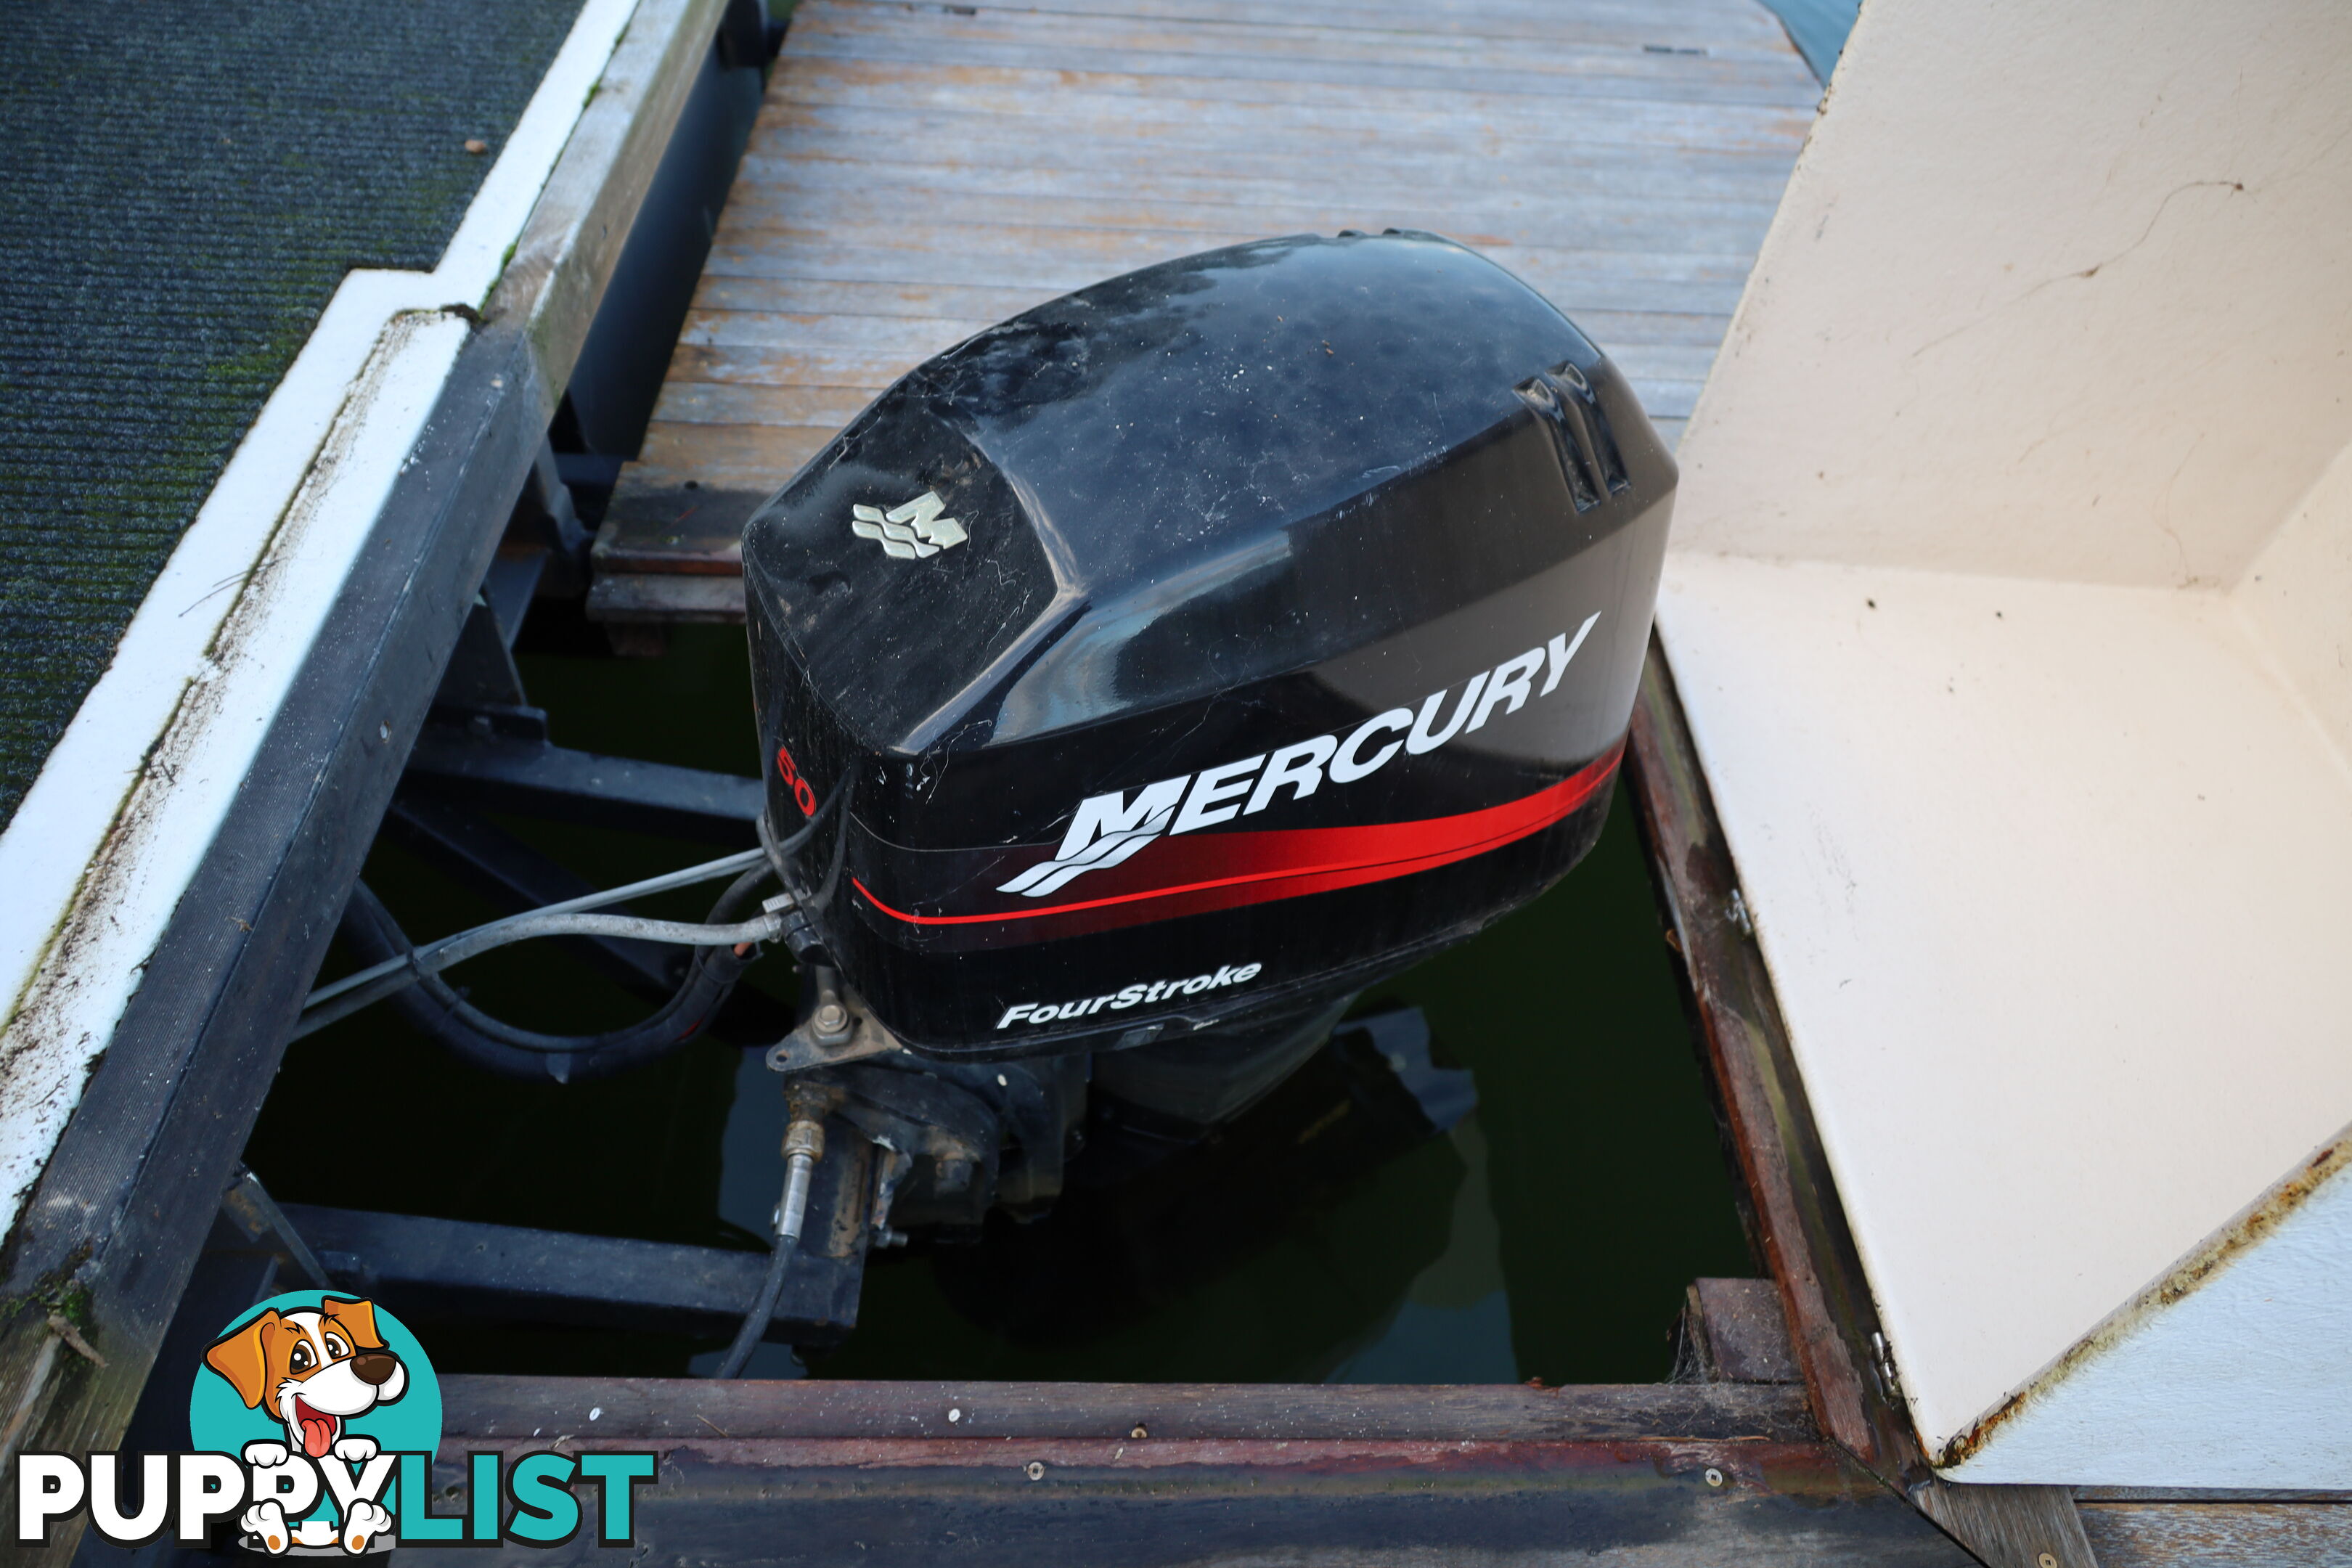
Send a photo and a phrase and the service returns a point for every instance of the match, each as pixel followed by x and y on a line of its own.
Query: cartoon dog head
pixel 313 1370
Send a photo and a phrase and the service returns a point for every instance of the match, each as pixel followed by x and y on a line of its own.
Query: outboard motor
pixel 1144 677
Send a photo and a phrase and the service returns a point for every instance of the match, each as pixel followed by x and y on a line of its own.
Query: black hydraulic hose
pixel 823 898
pixel 803 1147
pixel 496 1046
pixel 782 850
pixel 754 1327
pixel 800 933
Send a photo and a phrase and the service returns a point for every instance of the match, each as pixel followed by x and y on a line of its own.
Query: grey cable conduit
pixel 347 995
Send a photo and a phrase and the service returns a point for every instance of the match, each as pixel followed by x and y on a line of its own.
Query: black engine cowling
pixel 1190 650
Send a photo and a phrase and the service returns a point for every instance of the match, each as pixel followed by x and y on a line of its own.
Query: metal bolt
pixel 1138 1431
pixel 1714 1477
pixel 2047 1560
pixel 1037 1469
pixel 954 1416
pixel 830 1018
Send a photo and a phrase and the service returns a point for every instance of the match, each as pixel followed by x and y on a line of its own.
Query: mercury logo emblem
pixel 910 531
pixel 1106 829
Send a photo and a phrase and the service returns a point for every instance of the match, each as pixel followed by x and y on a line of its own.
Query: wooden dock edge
pixel 1328 1475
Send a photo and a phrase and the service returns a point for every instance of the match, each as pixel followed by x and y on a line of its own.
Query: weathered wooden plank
pixel 1315 114
pixel 828 330
pixel 1600 189
pixel 1665 394
pixel 1580 285
pixel 992 149
pixel 1658 364
pixel 665 597
pixel 1794 1216
pixel 825 408
pixel 2220 1534
pixel 1055 257
pixel 759 364
pixel 1080 245
pixel 1666 399
pixel 762 365
pixel 693 530
pixel 918 172
pixel 1558 220
pixel 921 337
pixel 1721 24
pixel 1488 72
pixel 2010 1527
pixel 1177 1473
pixel 1519 68
pixel 1148 1503
pixel 1577 281
pixel 868 297
pixel 1442 14
pixel 2341 1497
pixel 1563 47
pixel 725 456
pixel 1583 291
pixel 817 1408
pixel 1739 1331
pixel 787 296
pixel 1749 29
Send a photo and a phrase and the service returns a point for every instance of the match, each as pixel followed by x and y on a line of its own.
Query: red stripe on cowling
pixel 1258 868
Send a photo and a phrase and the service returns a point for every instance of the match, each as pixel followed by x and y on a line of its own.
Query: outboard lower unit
pixel 1145 676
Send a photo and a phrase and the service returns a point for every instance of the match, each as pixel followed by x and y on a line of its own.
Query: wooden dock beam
pixel 1707 1476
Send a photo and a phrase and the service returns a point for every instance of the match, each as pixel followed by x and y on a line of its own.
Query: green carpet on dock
pixel 184 186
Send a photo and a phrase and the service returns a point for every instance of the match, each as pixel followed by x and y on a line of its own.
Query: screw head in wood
pixel 1138 1431
pixel 1036 1470
pixel 1714 1477
pixel 2047 1560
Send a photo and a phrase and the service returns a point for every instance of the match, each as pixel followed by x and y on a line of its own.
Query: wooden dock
pixel 921 171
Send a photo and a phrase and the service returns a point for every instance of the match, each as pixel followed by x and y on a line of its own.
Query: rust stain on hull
pixel 2258 1220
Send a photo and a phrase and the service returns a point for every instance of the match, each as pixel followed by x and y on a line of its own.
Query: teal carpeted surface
pixel 182 187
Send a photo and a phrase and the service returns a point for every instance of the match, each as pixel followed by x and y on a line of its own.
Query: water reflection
pixel 1453 1324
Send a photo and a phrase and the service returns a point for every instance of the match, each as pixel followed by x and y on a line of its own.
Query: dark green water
pixel 1550 1235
